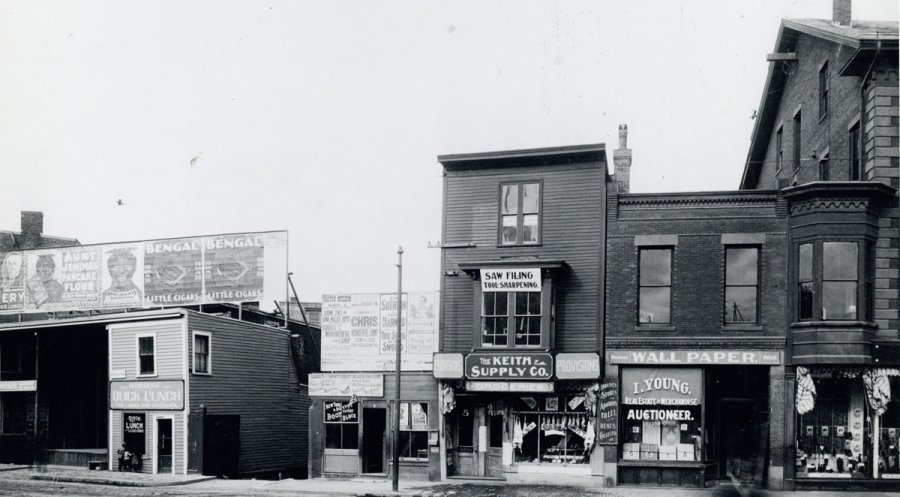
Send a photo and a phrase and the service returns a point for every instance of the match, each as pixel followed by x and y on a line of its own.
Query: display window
pixel 840 433
pixel 414 430
pixel 552 430
pixel 341 425
pixel 661 414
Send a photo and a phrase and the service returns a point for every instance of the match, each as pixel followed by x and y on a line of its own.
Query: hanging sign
pixel 608 413
pixel 511 280
pixel 448 365
pixel 685 357
pixel 359 384
pixel 578 366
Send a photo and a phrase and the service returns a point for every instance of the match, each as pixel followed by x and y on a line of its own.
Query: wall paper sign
pixel 511 280
pixel 517 366
pixel 359 384
pixel 689 357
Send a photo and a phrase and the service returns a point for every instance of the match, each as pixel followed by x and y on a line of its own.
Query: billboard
pixel 235 268
pixel 359 331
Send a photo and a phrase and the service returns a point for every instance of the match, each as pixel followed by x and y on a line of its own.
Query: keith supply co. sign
pixel 521 366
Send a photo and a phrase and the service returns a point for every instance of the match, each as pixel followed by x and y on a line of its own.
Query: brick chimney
pixel 841 12
pixel 622 162
pixel 32 227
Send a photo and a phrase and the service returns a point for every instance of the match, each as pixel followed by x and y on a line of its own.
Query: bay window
pixel 831 282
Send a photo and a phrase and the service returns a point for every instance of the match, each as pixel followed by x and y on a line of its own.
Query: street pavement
pixel 63 480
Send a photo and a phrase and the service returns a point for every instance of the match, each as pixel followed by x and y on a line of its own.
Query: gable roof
pixel 867 38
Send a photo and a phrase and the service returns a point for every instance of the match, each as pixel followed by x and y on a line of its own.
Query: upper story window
pixel 512 319
pixel 655 292
pixel 520 213
pixel 798 121
pixel 741 284
pixel 823 90
pixel 824 169
pixel 779 148
pixel 854 148
pixel 828 281
pixel 201 353
pixel 146 354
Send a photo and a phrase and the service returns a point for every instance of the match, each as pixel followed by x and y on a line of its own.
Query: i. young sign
pixel 662 386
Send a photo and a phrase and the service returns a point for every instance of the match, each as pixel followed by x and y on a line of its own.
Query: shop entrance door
pixel 164 445
pixel 740 439
pixel 373 440
pixel 479 447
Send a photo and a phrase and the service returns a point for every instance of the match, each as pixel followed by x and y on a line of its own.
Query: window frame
pixel 640 286
pixel 854 151
pixel 757 285
pixel 817 280
pixel 520 214
pixel 137 346
pixel 357 408
pixel 408 428
pixel 797 139
pixel 824 89
pixel 547 302
pixel 779 148
pixel 208 336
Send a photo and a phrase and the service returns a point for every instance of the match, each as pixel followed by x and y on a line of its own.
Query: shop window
pixel 341 425
pixel 520 213
pixel 828 281
pixel 201 353
pixel 13 406
pixel 655 293
pixel 146 355
pixel 10 357
pixel 414 430
pixel 134 432
pixel 741 284
pixel 551 430
pixel 513 319
pixel 661 414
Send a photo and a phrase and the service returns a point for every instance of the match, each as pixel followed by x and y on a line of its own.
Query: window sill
pixel 201 373
pixel 741 327
pixel 146 375
pixel 654 327
pixel 520 245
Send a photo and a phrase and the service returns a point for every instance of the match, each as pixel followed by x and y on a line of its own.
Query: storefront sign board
pixel 578 366
pixel 608 413
pixel 343 412
pixel 448 365
pixel 18 386
pixel 511 280
pixel 509 386
pixel 359 384
pixel 518 366
pixel 690 357
pixel 158 395
pixel 662 386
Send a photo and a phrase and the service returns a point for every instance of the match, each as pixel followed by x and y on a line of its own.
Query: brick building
pixel 694 323
pixel 522 265
pixel 827 137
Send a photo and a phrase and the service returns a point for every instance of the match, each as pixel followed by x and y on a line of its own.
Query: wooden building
pixel 827 136
pixel 521 300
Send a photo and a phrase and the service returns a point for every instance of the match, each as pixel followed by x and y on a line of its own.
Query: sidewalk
pixel 72 474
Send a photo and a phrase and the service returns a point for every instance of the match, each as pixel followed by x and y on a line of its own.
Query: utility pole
pixel 396 449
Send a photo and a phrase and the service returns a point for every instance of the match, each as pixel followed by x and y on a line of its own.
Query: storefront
pixel 511 413
pixel 689 417
pixel 351 435
pixel 846 425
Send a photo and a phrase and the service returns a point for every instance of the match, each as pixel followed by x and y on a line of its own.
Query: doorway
pixel 738 419
pixel 373 440
pixel 478 441
pixel 164 445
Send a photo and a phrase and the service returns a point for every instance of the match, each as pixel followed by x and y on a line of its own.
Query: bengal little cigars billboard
pixel 173 271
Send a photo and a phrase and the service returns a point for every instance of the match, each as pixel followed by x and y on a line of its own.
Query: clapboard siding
pixel 572 210
pixel 150 438
pixel 169 346
pixel 253 377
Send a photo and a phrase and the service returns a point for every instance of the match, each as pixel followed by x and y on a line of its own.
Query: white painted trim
pixel 155 426
pixel 185 413
pixel 137 356
pixel 193 357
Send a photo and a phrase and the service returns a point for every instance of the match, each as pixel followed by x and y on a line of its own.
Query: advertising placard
pixel 509 366
pixel 688 357
pixel 608 412
pixel 157 395
pixel 511 280
pixel 510 386
pixel 343 412
pixel 662 386
pixel 154 273
pixel 359 331
pixel 448 365
pixel 359 384
pixel 578 366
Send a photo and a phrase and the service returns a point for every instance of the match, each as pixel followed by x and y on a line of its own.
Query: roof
pixel 527 157
pixel 12 240
pixel 867 38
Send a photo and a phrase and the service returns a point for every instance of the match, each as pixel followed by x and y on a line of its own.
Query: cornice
pixel 656 342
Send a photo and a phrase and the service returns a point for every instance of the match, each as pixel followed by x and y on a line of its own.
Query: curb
pixel 117 483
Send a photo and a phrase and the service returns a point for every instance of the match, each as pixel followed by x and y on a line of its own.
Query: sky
pixel 325 118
